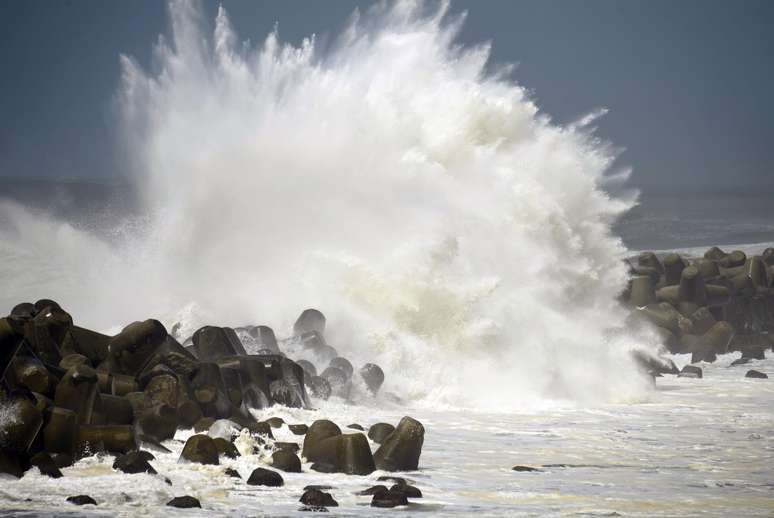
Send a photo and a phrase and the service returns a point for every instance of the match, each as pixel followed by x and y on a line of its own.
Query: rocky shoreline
pixel 69 393
pixel 704 306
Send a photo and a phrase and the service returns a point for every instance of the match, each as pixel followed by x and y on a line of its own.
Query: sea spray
pixel 448 230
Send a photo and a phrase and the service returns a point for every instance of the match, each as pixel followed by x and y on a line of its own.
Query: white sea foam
pixel 448 229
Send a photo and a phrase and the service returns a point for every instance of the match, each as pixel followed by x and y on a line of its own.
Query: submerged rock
pixel 317 498
pixel 265 477
pixel 134 462
pixel 81 500
pixel 184 502
pixel 524 468
pixel 756 374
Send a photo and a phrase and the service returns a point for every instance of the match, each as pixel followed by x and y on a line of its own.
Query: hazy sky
pixel 688 83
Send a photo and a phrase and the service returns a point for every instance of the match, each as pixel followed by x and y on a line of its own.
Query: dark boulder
pixel 212 343
pixel 230 472
pixel 406 490
pixel 373 376
pixel 342 364
pixel 107 438
pixel 30 373
pixel 130 349
pixel 13 463
pixel 309 368
pixel 203 424
pixel 46 465
pixel 226 448
pixel 86 342
pixel 286 460
pixel 275 422
pixel 400 451
pixel 740 361
pixel 319 387
pixel 380 431
pixel 754 353
pixel 373 490
pixel 298 429
pixel 344 453
pixel 524 468
pixel 116 409
pixel 309 320
pixel 389 499
pixel 338 380
pixel 317 498
pixel 81 500
pixel 46 332
pixel 188 414
pixel 133 462
pixel 60 434
pixel 122 384
pixel 756 374
pixel 200 449
pixel 319 431
pixel 10 343
pixel 158 423
pixel 71 360
pixel 20 424
pixel 184 502
pixel 265 477
pixel 78 391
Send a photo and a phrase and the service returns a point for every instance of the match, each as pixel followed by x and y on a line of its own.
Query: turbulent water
pixel 394 179
pixel 699 448
pixel 450 232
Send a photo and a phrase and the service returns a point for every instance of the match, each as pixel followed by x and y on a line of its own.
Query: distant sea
pixel 661 221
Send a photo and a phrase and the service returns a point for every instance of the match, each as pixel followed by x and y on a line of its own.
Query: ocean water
pixel 694 447
pixel 450 232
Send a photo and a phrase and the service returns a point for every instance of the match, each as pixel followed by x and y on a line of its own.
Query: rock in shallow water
pixel 134 462
pixel 690 371
pixel 184 502
pixel 318 498
pixel 81 500
pixel 286 460
pixel 265 477
pixel 756 374
pixel 400 451
pixel 200 449
pixel 46 465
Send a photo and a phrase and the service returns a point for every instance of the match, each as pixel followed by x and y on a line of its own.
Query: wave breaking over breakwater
pixel 447 228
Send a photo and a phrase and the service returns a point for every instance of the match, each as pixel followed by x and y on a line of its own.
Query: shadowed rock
pixel 309 320
pixel 184 502
pixel 400 451
pixel 317 498
pixel 200 449
pixel 380 431
pixel 265 477
pixel 81 500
